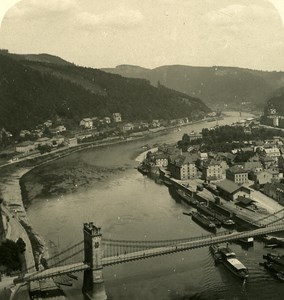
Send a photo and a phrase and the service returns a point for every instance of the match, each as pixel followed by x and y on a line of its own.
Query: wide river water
pixel 130 206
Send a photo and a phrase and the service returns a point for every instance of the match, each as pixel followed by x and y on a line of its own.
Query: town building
pixel 183 167
pixel 253 166
pixel 47 123
pixel 107 120
pixel 87 123
pixel 25 147
pixel 116 117
pixel 193 136
pixel 127 127
pixel 37 133
pixel 161 160
pixel 156 123
pixel 237 174
pixel 57 129
pixel 271 152
pixel 43 142
pixel 211 170
pixel 260 178
pixel 268 162
pixel 58 140
pixel 24 133
pixel 230 191
pixel 275 190
pixel 72 142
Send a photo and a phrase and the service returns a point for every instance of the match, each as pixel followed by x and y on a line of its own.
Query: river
pixel 101 185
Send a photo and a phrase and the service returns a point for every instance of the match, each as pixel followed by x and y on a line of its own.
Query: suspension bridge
pixel 94 253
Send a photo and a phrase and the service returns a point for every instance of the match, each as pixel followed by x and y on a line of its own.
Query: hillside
pixel 277 102
pixel 34 91
pixel 214 85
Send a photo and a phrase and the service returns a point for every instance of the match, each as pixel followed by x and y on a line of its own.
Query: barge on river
pixel 220 218
pixel 203 221
pixel 228 258
pixel 275 265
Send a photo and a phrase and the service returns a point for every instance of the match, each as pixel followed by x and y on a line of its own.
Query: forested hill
pixel 214 85
pixel 277 102
pixel 32 92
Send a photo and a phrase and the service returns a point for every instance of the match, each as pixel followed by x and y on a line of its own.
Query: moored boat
pixel 203 221
pixel 215 221
pixel 186 198
pixel 231 262
pixel 220 218
pixel 186 213
pixel 274 269
pixel 246 241
pixel 214 249
pixel 143 169
pixel 277 259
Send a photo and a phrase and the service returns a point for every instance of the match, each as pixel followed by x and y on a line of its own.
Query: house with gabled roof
pixel 86 123
pixel 230 191
pixel 183 167
pixel 212 170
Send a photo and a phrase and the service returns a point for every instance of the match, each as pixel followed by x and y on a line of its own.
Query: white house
pixel 116 117
pixel 86 123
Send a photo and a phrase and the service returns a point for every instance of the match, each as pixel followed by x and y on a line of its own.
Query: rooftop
pixel 228 186
pixel 237 169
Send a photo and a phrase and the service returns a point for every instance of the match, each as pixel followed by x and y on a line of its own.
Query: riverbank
pixel 18 224
pixel 59 175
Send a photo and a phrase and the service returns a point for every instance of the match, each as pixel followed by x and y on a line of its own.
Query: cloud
pixel 38 8
pixel 279 5
pixel 5 5
pixel 119 18
pixel 237 14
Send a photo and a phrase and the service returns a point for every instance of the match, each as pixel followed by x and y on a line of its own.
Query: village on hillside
pixel 56 135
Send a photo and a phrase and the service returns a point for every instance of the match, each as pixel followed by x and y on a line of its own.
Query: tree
pixel 21 245
pixel 9 256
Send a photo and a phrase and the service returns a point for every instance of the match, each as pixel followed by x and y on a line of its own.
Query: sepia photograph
pixel 142 149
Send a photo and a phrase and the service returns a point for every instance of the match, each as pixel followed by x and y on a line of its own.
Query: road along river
pixel 101 185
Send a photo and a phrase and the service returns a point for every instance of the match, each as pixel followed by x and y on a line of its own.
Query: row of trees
pixel 226 138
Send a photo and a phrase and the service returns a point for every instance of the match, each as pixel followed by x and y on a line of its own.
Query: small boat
pixel 186 197
pixel 167 181
pixel 72 276
pixel 214 249
pixel 209 212
pixel 246 241
pixel 186 213
pixel 203 221
pixel 271 246
pixel 273 240
pixel 215 221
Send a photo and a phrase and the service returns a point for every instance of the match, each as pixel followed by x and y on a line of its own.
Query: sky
pixel 148 33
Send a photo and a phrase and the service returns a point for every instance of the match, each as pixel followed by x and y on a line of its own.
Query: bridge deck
pixel 207 241
pixel 146 253
pixel 52 272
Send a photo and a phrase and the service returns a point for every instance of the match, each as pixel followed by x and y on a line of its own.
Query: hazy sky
pixel 149 33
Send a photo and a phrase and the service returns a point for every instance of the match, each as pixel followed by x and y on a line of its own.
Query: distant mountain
pixel 215 85
pixel 36 88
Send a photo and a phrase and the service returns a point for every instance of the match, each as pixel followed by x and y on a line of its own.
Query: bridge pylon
pixel 93 282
